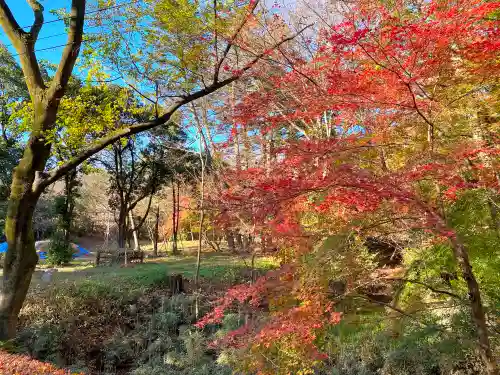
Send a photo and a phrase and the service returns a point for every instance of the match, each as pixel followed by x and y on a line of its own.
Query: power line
pixel 58 46
pixel 87 13
pixel 47 48
pixel 62 34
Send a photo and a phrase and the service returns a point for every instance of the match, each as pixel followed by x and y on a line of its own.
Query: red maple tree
pixel 388 83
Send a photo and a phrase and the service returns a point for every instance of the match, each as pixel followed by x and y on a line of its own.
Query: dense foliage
pixel 387 133
pixel 11 364
pixel 355 142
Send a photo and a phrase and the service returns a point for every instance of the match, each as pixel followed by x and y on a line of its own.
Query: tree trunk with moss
pixel 21 257
pixel 28 180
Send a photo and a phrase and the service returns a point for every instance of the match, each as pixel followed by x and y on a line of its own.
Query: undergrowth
pixel 124 320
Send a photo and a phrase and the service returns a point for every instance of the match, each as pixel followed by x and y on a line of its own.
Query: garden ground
pixel 120 320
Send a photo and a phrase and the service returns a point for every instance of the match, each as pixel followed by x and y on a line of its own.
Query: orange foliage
pixel 11 364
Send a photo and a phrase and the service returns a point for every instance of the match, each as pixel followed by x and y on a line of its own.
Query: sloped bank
pixel 130 323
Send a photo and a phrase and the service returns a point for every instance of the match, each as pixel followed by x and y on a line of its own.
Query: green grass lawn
pixel 228 269
pixel 186 246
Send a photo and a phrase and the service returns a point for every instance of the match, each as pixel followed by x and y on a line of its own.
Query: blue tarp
pixel 78 253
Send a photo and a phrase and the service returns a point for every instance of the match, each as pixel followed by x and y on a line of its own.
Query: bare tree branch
pixel 57 173
pixel 148 208
pixel 232 39
pixel 440 291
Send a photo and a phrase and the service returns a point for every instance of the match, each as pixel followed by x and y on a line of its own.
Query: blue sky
pixel 24 16
pixel 53 33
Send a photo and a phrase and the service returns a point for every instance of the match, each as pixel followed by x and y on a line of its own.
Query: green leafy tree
pixel 30 177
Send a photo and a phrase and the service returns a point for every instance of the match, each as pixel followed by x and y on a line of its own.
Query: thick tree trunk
pixel 477 309
pixel 21 257
pixel 19 264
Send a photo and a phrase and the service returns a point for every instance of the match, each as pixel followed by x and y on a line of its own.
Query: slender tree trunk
pixel 178 208
pixel 203 161
pixel 198 255
pixel 202 213
pixel 175 250
pixel 246 242
pixel 477 309
pixel 239 241
pixel 165 243
pixel 137 246
pixel 156 231
pixel 230 241
pixel 494 204
pixel 65 220
pixel 253 274
pixel 383 160
pixel 236 139
pixel 106 234
pixel 247 147
pixel 122 227
pixel 210 138
pixel 69 205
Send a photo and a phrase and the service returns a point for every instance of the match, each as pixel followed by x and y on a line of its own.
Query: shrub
pixel 195 345
pixel 418 349
pixel 167 321
pixel 60 251
pixel 11 364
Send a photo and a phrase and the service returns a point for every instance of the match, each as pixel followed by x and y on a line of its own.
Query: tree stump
pixel 175 284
